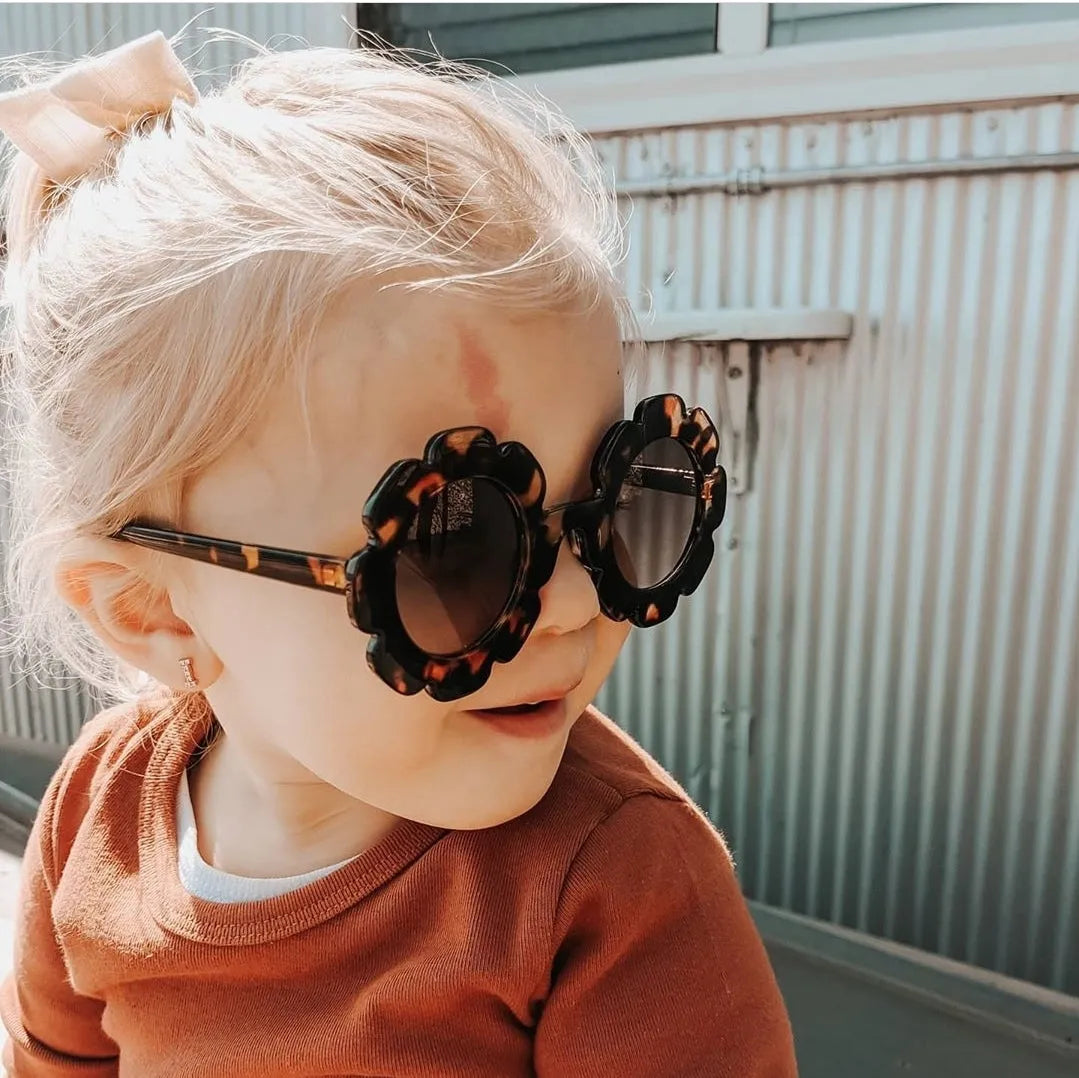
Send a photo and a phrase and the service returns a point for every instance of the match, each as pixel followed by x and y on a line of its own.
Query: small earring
pixel 189 675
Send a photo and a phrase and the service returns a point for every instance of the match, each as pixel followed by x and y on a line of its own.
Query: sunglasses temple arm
pixel 717 478
pixel 671 480
pixel 321 571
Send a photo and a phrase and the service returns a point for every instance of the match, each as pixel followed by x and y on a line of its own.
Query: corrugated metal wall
pixel 875 692
pixel 31 710
pixel 66 31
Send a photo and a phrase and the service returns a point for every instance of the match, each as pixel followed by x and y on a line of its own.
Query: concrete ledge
pixel 749 324
pixel 17 809
pixel 27 765
pixel 1024 1010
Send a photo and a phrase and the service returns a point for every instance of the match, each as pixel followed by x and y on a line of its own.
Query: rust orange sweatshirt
pixel 601 933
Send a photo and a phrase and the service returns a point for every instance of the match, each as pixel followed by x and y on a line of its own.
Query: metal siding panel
pixel 961 898
pixel 70 30
pixel 1018 456
pixel 1051 664
pixel 879 671
pixel 936 272
pixel 1063 943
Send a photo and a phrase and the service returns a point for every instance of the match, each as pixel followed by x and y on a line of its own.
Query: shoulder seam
pixel 624 794
pixel 54 806
pixel 98 734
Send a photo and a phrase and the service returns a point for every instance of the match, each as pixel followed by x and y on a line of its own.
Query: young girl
pixel 330 360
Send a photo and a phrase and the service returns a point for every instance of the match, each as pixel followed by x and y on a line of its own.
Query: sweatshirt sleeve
pixel 658 966
pixel 53 1031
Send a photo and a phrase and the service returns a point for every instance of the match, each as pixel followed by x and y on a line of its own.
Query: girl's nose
pixel 568 601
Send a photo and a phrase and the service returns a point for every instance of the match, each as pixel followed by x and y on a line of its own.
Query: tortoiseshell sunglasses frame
pixel 367 578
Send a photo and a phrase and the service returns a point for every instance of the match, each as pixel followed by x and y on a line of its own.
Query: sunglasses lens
pixel 457 569
pixel 657 506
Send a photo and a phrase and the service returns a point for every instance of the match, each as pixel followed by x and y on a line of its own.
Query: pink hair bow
pixel 66 124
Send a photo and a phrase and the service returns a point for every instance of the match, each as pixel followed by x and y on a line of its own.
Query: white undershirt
pixel 205 881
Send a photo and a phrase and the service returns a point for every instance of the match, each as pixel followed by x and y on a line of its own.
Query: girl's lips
pixel 543 721
pixel 541 696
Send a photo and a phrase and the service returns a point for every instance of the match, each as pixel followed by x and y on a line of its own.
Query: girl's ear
pixel 109 585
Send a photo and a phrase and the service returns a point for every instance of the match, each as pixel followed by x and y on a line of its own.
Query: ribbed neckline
pixel 265 920
pixel 206 881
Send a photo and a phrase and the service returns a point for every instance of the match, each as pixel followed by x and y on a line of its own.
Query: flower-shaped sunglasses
pixel 460 544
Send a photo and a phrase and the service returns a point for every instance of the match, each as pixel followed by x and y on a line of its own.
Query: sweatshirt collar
pixel 185 727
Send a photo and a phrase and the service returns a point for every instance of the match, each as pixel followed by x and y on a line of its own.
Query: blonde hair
pixel 152 303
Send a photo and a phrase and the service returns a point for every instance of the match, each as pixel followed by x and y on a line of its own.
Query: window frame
pixel 371 18
pixel 1005 64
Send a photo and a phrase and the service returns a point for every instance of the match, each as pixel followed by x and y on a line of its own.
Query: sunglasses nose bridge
pixel 567 520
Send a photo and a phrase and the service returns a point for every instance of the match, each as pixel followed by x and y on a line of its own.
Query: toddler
pixel 326 360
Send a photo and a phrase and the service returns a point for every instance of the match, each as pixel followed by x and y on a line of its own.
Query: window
pixel 798 24
pixel 545 37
